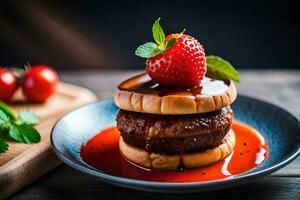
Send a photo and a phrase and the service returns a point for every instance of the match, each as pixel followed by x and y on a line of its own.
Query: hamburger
pixel 174 130
pixel 177 115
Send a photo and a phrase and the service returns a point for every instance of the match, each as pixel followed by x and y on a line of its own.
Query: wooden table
pixel 279 87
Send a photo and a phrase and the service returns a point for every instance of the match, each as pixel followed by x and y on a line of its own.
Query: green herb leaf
pixel 20 129
pixel 158 34
pixel 3 117
pixel 3 146
pixel 219 68
pixel 7 110
pixel 147 50
pixel 28 117
pixel 23 133
pixel 171 42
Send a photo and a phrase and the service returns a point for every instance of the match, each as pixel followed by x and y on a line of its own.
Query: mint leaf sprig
pixel 18 128
pixel 221 69
pixel 3 146
pixel 151 49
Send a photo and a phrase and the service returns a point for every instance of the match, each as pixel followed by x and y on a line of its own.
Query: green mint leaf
pixel 158 34
pixel 3 146
pixel 170 43
pixel 3 117
pixel 219 68
pixel 28 117
pixel 23 133
pixel 20 129
pixel 147 50
pixel 7 110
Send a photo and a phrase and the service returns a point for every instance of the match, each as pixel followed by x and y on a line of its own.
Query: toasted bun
pixel 172 162
pixel 214 95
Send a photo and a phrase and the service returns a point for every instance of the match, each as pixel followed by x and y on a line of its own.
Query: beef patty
pixel 173 134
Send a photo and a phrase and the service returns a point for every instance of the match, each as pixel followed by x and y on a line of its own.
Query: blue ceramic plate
pixel 279 127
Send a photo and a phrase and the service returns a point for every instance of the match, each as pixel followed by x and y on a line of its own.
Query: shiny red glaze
pixel 39 83
pixel 8 84
pixel 102 152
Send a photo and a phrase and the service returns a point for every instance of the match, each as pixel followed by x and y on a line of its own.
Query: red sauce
pixel 102 152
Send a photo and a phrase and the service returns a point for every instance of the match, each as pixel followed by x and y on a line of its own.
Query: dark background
pixel 104 34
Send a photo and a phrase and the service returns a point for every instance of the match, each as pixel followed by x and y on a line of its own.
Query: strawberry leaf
pixel 158 34
pixel 170 43
pixel 147 50
pixel 219 68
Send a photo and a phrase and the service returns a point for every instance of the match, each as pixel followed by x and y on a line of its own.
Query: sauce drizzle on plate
pixel 102 152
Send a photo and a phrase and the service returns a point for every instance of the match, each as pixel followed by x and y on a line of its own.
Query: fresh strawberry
pixel 175 61
pixel 183 65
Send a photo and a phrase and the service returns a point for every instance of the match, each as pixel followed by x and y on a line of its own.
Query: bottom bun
pixel 173 162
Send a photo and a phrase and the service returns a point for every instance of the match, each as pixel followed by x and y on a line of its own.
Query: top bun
pixel 141 94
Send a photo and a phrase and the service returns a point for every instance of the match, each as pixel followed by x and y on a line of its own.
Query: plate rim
pixel 132 183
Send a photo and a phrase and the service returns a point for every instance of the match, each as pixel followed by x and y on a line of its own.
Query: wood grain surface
pixel 23 163
pixel 278 87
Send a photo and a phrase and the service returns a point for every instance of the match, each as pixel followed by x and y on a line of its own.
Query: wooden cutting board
pixel 24 163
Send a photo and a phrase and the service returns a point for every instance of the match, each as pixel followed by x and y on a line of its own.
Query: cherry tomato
pixel 8 84
pixel 39 83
